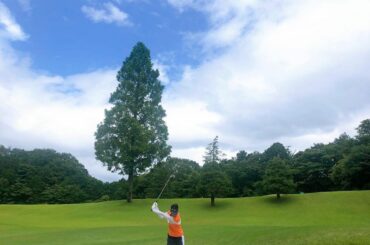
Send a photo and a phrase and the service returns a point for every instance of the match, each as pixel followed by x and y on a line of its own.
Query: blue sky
pixel 62 40
pixel 253 72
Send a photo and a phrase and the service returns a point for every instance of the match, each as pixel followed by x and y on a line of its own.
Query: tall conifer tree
pixel 133 134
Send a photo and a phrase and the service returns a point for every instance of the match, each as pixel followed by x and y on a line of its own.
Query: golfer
pixel 175 232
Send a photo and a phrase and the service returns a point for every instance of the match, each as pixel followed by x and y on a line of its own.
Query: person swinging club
pixel 175 233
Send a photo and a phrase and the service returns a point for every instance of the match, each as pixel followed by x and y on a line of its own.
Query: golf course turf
pixel 317 218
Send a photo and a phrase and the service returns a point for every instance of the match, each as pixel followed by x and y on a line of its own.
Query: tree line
pixel 343 164
pixel 46 176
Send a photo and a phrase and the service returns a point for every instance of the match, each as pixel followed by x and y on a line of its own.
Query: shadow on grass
pixel 220 204
pixel 283 200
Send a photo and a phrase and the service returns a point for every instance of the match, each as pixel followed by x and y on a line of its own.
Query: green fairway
pixel 320 218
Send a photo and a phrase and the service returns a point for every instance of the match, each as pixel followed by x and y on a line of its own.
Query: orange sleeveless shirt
pixel 175 230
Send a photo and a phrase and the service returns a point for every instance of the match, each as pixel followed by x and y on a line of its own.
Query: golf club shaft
pixel 163 188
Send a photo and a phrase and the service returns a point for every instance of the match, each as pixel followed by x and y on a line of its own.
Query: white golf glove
pixel 155 206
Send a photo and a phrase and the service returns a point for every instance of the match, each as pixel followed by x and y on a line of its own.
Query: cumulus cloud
pixel 44 111
pixel 290 71
pixel 9 28
pixel 108 13
pixel 50 111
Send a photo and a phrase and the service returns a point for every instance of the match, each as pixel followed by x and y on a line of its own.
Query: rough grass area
pixel 319 218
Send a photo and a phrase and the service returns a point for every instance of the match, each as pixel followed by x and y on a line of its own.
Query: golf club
pixel 159 196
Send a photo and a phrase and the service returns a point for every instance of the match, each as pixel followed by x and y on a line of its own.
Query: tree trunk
pixel 213 200
pixel 130 185
pixel 278 195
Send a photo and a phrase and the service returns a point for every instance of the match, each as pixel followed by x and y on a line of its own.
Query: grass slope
pixel 319 218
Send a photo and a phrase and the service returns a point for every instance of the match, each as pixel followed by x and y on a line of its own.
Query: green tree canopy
pixel 184 184
pixel 241 155
pixel 278 178
pixel 45 176
pixel 213 182
pixel 276 150
pixel 213 153
pixel 363 132
pixel 353 171
pixel 133 134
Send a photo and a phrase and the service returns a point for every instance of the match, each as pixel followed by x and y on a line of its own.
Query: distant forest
pixel 46 176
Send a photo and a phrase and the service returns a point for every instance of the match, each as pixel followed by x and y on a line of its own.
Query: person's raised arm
pixel 161 214
pixel 156 210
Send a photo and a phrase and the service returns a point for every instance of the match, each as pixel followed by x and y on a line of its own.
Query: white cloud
pixel 62 113
pixel 9 28
pixel 228 19
pixel 194 153
pixel 163 71
pixel 197 153
pixel 109 13
pixel 45 111
pixel 189 121
pixel 289 71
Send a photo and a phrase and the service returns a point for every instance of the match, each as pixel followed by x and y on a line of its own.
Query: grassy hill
pixel 319 218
